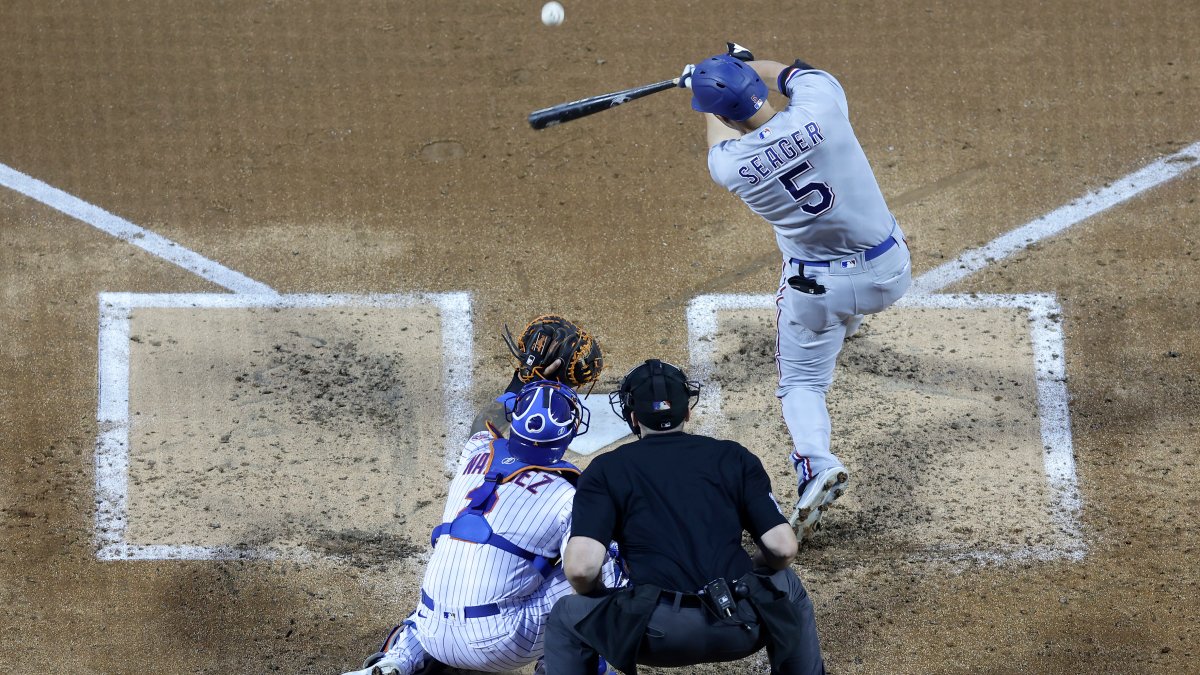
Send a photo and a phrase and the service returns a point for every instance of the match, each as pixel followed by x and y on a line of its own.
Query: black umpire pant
pixel 679 635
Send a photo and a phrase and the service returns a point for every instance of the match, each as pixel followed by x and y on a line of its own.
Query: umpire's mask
pixel 658 392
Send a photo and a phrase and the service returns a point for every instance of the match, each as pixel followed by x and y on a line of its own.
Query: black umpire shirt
pixel 677 504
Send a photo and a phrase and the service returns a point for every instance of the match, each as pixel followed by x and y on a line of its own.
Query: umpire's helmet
pixel 546 416
pixel 725 86
pixel 658 392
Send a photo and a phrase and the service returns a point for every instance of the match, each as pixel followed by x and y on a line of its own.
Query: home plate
pixel 605 430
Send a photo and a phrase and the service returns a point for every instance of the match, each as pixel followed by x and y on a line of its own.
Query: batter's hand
pixel 739 52
pixel 685 79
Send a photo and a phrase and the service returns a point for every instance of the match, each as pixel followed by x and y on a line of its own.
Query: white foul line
pixel 112 445
pixel 127 231
pixel 112 457
pixel 1150 176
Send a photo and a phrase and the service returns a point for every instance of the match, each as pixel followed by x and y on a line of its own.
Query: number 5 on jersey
pixel 804 194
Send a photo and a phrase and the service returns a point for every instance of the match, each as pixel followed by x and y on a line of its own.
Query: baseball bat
pixel 565 112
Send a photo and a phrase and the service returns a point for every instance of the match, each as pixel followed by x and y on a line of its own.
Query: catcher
pixel 495 573
pixel 550 348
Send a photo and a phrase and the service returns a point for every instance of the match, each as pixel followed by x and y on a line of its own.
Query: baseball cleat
pixel 815 496
pixel 369 666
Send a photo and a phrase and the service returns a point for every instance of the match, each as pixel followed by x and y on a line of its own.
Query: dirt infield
pixel 249 488
pixel 248 425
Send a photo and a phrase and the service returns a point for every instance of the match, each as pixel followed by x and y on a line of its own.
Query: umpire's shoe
pixel 815 496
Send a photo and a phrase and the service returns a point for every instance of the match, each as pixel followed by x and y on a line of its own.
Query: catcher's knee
pixel 493 413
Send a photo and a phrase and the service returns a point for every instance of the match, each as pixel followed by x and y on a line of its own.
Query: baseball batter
pixel 493 576
pixel 802 169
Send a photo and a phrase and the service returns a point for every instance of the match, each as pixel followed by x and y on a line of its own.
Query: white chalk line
pixel 458 337
pixel 112 445
pixel 1052 405
pixel 112 453
pixel 1047 341
pixel 128 232
pixel 1150 176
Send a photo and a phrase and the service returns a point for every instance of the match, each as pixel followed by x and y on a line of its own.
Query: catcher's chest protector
pixel 472 525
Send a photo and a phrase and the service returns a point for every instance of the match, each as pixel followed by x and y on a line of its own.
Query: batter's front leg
pixel 821 478
pixel 807 419
pixel 806 361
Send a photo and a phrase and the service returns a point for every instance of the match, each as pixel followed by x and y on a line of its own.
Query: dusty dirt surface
pixel 381 147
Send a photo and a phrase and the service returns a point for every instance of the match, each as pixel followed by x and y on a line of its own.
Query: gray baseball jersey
pixel 806 174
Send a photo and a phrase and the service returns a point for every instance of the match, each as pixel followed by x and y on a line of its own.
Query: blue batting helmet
pixel 546 416
pixel 725 86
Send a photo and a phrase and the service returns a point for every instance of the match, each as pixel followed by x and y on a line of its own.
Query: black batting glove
pixel 739 52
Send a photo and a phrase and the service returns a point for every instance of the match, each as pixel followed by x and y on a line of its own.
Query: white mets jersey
pixel 806 174
pixel 533 511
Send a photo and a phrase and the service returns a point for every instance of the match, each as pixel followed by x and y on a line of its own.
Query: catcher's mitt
pixel 549 338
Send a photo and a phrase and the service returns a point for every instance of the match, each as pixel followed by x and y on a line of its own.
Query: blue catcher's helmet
pixel 546 416
pixel 725 86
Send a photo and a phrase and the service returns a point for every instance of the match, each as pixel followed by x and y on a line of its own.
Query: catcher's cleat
pixel 368 666
pixel 373 659
pixel 389 667
pixel 815 496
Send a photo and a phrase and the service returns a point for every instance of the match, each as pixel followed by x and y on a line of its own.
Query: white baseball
pixel 552 13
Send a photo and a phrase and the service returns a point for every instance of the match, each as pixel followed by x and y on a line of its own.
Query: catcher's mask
pixel 725 86
pixel 546 416
pixel 658 392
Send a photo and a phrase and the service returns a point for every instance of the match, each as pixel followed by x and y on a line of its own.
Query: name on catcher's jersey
pixel 806 174
pixel 532 510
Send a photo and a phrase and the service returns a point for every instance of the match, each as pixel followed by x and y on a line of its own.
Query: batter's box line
pixel 1046 336
pixel 112 417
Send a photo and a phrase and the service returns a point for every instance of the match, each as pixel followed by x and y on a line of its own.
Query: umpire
pixel 677 504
